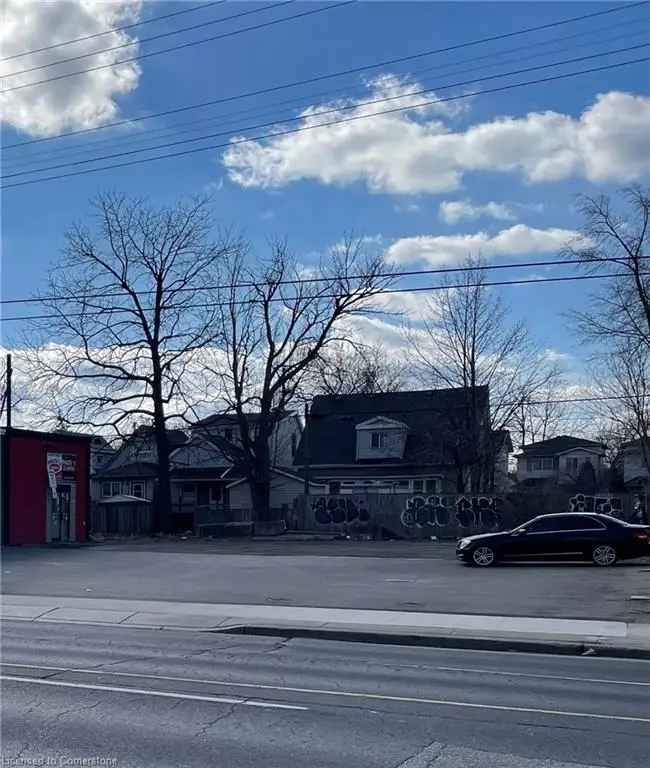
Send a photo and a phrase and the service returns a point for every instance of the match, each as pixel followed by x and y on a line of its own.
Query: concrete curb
pixel 471 631
pixel 513 645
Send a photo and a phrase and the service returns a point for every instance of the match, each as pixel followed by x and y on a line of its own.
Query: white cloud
pixel 417 152
pixel 453 211
pixel 408 304
pixel 552 355
pixel 517 240
pixel 82 101
pixel 407 208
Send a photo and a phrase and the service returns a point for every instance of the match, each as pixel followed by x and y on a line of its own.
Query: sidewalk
pixel 616 638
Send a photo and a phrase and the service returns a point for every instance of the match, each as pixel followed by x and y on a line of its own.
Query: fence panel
pixel 448 516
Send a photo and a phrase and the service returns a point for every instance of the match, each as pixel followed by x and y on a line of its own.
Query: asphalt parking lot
pixel 402 576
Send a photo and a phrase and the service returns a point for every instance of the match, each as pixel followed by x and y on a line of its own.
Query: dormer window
pixel 379 440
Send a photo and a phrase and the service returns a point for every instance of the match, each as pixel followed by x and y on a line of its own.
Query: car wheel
pixel 484 556
pixel 603 555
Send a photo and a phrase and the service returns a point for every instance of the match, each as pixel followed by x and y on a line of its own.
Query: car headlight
pixel 464 543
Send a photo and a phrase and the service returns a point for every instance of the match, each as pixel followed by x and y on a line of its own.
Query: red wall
pixel 29 485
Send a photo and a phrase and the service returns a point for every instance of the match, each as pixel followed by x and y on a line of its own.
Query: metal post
pixel 307 450
pixel 5 456
pixel 8 391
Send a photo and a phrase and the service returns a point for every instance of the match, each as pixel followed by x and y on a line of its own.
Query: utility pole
pixel 8 391
pixel 307 449
pixel 5 454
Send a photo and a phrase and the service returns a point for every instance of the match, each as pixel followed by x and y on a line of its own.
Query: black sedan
pixel 599 538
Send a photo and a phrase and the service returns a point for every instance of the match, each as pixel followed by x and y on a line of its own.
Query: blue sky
pixel 313 189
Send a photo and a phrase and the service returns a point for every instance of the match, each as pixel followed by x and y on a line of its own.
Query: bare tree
pixel 468 340
pixel 544 417
pixel 617 323
pixel 276 325
pixel 128 315
pixel 623 381
pixel 620 313
pixel 356 369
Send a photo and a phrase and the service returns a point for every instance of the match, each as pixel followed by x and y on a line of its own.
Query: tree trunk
pixel 260 498
pixel 163 512
pixel 260 481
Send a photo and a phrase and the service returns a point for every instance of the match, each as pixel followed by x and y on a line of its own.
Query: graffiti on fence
pixel 339 509
pixel 442 511
pixel 602 505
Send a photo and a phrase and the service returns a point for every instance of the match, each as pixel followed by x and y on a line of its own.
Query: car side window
pixel 576 523
pixel 569 523
pixel 542 525
pixel 590 523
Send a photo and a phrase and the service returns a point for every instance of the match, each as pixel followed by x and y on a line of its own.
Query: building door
pixel 61 514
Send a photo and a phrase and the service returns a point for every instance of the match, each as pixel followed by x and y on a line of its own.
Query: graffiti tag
pixel 339 509
pixel 602 505
pixel 441 511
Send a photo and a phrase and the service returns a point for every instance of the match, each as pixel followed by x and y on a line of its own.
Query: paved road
pixel 425 577
pixel 144 698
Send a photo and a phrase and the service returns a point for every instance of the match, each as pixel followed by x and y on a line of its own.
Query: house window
pixel 116 488
pixel 572 464
pixel 540 463
pixel 106 489
pixel 335 488
pixel 418 485
pixel 379 439
pixel 227 433
pixel 431 485
pixel 137 489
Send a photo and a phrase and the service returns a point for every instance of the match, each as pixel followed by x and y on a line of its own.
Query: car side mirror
pixel 520 532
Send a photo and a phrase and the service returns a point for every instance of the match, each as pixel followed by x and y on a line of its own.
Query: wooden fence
pixel 121 518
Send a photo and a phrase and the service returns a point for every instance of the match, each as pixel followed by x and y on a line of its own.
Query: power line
pixel 192 125
pixel 182 46
pixel 340 73
pixel 285 299
pixel 113 30
pixel 143 40
pixel 309 280
pixel 236 142
pixel 334 110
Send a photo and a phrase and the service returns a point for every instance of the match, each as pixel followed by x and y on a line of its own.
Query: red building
pixel 47 497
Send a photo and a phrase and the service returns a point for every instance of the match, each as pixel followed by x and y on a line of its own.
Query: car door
pixel 536 540
pixel 582 533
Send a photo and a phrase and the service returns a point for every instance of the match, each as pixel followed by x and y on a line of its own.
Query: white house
pixel 635 467
pixel 560 460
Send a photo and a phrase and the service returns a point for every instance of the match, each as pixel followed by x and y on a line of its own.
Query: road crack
pixel 223 716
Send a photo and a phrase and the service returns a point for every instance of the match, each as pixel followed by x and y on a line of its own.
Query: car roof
pixel 599 515
pixel 571 514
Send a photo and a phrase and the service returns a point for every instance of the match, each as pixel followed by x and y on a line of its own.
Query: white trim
pixel 190 442
pixel 600 452
pixel 284 473
pixel 381 422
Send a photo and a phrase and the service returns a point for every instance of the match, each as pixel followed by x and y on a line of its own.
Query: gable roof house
pixel 560 460
pixel 396 442
pixel 133 468
pixel 634 460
